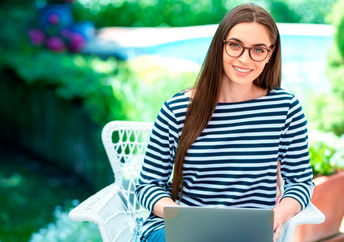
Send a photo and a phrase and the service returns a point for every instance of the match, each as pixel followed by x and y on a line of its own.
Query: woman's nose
pixel 245 57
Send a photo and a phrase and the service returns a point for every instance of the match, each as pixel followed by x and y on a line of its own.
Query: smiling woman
pixel 222 141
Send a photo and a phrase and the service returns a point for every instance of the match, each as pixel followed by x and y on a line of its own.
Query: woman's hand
pixel 286 209
pixel 158 208
pixel 277 225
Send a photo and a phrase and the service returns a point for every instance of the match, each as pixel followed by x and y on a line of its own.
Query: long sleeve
pixel 158 162
pixel 294 156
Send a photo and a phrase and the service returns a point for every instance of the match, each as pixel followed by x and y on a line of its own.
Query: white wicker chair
pixel 115 209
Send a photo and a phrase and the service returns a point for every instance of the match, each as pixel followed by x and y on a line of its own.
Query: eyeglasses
pixel 235 49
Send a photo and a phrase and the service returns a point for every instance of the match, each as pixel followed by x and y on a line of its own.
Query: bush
pixel 149 12
pixel 106 89
pixel 326 113
pixel 76 78
pixel 186 12
pixel 326 153
pixel 334 109
pixel 63 229
pixel 156 80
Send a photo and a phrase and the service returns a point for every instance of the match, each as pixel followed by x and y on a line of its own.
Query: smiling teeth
pixel 241 70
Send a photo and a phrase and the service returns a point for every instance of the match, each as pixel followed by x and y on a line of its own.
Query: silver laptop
pixel 213 224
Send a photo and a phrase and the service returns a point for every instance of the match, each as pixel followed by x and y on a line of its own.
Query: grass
pixel 30 190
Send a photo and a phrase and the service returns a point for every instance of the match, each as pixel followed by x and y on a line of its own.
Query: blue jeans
pixel 155 236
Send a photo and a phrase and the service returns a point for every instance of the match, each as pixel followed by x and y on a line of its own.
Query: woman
pixel 226 136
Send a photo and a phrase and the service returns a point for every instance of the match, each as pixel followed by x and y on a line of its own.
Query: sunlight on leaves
pixel 13 181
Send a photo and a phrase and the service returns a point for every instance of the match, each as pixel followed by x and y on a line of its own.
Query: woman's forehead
pixel 250 33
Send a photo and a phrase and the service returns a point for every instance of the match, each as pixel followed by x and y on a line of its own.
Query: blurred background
pixel 67 67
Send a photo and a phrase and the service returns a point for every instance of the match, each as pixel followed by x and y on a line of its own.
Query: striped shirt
pixel 234 160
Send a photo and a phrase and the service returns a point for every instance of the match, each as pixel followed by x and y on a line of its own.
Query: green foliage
pixel 149 12
pixel 320 154
pixel 186 12
pixel 63 229
pixel 157 79
pixel 282 12
pixel 106 89
pixel 326 113
pixel 74 77
pixel 311 11
pixel 14 25
pixel 336 12
pixel 22 3
pixel 335 72
pixel 336 18
pixel 326 153
pixel 29 192
pixel 332 108
pixel 339 36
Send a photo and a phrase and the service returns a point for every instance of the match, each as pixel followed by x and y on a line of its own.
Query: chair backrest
pixel 125 143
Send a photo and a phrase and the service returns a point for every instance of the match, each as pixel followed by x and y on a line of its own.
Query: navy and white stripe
pixel 234 160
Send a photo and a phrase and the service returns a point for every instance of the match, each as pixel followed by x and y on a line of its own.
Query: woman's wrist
pixel 286 209
pixel 158 208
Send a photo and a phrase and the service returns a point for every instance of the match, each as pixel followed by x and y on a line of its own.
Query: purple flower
pixel 65 33
pixel 76 42
pixel 54 19
pixel 55 44
pixel 36 36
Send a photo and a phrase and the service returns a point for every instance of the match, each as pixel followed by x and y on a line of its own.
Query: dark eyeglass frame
pixel 225 42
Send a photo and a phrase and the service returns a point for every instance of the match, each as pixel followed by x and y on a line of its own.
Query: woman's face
pixel 243 70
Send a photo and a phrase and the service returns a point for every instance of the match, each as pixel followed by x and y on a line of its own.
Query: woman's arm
pixel 158 208
pixel 152 187
pixel 285 210
pixel 295 169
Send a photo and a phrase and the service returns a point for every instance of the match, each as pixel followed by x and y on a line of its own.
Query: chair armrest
pixel 106 209
pixel 309 215
pixel 88 209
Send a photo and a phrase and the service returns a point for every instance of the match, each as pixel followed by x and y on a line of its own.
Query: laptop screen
pixel 198 224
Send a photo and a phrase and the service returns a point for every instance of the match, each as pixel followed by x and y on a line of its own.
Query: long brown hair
pixel 207 88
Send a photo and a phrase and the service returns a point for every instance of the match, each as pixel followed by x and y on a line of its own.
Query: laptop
pixel 215 224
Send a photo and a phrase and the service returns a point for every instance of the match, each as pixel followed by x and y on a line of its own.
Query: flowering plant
pixel 326 153
pixel 57 30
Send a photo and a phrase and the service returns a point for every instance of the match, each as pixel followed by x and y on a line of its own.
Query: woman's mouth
pixel 242 70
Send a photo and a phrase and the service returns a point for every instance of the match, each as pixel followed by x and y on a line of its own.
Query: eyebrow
pixel 259 44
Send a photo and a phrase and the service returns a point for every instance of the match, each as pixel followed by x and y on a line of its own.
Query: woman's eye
pixel 259 50
pixel 234 45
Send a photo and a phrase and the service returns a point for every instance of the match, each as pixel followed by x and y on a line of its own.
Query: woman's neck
pixel 232 92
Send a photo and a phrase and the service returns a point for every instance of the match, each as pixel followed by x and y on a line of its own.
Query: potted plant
pixel 327 159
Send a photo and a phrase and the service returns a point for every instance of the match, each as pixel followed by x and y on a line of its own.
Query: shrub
pixel 326 113
pixel 106 89
pixel 326 153
pixel 156 80
pixel 187 12
pixel 327 109
pixel 63 229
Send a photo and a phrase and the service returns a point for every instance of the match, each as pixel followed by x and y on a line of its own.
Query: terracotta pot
pixel 328 197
